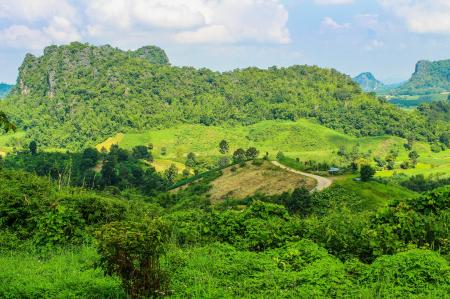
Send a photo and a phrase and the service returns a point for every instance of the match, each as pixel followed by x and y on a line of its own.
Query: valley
pixel 123 176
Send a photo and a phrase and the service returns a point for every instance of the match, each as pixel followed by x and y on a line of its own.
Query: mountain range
pixel 77 95
pixel 429 77
pixel 4 89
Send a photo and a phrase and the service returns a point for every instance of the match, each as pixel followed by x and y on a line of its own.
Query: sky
pixel 385 37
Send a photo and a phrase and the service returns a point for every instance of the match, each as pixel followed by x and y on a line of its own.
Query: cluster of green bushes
pixel 177 244
pixel 117 169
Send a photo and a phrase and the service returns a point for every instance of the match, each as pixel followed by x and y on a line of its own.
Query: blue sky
pixel 386 37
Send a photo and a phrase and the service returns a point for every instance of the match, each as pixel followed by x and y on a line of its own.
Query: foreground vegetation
pixel 326 244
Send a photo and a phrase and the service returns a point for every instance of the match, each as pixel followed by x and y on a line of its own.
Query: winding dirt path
pixel 322 182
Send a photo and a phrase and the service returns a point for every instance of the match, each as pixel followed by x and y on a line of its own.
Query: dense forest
pixel 428 78
pixel 77 95
pixel 326 244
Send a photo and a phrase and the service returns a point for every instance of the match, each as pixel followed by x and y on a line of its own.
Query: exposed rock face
pixel 46 75
pixel 428 77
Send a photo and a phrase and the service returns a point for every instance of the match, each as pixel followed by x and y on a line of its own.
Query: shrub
pixel 60 226
pixel 132 250
pixel 367 172
pixel 408 273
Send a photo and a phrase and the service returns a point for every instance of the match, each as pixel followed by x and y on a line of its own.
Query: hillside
pixel 78 95
pixel 302 139
pixel 368 82
pixel 428 78
pixel 242 182
pixel 4 89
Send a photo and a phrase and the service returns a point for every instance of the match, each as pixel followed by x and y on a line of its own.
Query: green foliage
pixel 92 84
pixel 251 153
pixel 367 172
pixel 70 274
pixel 411 273
pixel 132 250
pixel 223 147
pixel 239 156
pixel 5 124
pixel 33 147
pixel 141 152
pixel 60 226
pixel 429 77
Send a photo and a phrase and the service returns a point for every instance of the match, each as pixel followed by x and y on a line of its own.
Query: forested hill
pixel 429 77
pixel 368 82
pixel 79 94
pixel 4 89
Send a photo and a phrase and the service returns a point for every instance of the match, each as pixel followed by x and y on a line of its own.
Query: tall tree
pixel 224 147
pixel 33 147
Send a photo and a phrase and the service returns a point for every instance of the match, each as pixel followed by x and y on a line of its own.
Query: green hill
pixel 302 139
pixel 78 94
pixel 4 89
pixel 428 78
pixel 368 82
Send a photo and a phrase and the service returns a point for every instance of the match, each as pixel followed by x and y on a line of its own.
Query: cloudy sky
pixel 386 37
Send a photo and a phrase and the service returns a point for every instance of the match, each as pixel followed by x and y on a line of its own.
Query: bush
pixel 408 273
pixel 367 172
pixel 60 226
pixel 132 250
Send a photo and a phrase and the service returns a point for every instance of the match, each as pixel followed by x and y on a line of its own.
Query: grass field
pixel 250 179
pixel 374 195
pixel 7 140
pixel 303 139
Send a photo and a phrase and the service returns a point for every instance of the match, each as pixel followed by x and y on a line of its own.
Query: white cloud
pixel 62 30
pixel 23 37
pixel 330 24
pixel 333 2
pixel 422 16
pixel 35 10
pixel 195 21
pixel 131 23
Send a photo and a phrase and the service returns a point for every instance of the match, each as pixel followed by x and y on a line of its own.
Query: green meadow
pixel 303 139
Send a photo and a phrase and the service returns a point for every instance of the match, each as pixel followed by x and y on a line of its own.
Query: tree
pixel 413 156
pixel 89 158
pixel 131 250
pixel 5 123
pixel 191 160
pixel 223 162
pixel 142 152
pixel 171 173
pixel 33 147
pixel 300 201
pixel 280 156
pixel 367 172
pixel 109 173
pixel 251 153
pixel 163 151
pixel 239 155
pixel 223 147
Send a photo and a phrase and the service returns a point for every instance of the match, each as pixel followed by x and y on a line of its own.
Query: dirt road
pixel 322 182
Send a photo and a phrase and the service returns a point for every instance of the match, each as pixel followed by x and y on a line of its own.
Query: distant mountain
pixel 4 89
pixel 368 82
pixel 428 78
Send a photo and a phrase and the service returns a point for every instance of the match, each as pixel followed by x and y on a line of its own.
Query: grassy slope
pixel 303 139
pixel 267 179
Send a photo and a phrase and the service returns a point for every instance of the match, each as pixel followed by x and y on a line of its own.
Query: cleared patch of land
pixel 266 179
